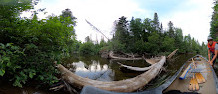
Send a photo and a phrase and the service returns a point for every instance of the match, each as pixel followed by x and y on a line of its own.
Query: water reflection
pixel 97 68
pixel 94 71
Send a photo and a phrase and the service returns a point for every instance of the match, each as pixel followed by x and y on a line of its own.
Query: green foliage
pixel 171 30
pixel 153 43
pixel 148 36
pixel 168 44
pixel 28 47
pixel 214 22
pixel 121 34
pixel 88 48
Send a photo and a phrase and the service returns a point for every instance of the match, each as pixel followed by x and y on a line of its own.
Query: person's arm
pixel 216 52
pixel 214 57
pixel 208 55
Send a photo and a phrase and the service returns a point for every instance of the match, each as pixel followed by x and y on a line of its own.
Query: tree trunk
pixel 128 85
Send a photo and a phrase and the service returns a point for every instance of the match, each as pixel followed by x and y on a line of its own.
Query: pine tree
pixel 214 21
pixel 121 33
pixel 156 22
pixel 67 13
pixel 171 30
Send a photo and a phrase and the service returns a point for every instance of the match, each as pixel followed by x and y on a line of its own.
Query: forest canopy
pixel 214 21
pixel 29 46
pixel 148 36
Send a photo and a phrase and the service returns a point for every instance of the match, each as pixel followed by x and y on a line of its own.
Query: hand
pixel 211 63
pixel 208 61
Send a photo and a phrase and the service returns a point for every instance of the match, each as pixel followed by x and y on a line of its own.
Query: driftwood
pixel 152 60
pixel 130 54
pixel 156 59
pixel 128 85
pixel 137 68
pixel 64 85
pixel 173 53
pixel 111 55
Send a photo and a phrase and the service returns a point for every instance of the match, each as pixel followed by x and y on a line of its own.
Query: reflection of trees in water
pixel 93 71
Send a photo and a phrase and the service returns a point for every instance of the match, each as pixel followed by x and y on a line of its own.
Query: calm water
pixel 97 68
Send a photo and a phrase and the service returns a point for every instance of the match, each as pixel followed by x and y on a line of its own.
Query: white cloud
pixel 194 21
pixel 193 16
pixel 101 13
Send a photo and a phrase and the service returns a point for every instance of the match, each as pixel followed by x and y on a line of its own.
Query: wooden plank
pixel 185 72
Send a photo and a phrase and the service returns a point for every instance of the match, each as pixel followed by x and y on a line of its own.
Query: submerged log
pixel 111 55
pixel 137 68
pixel 128 85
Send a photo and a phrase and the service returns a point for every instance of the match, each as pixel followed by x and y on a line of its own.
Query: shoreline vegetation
pixel 29 46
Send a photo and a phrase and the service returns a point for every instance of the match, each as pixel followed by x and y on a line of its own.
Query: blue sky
pixel 192 16
pixel 162 7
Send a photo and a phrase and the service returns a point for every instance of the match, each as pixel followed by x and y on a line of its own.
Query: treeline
pixel 146 36
pixel 214 21
pixel 29 46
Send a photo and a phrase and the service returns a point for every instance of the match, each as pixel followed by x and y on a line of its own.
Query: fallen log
pixel 152 60
pixel 173 53
pixel 128 85
pixel 111 55
pixel 137 68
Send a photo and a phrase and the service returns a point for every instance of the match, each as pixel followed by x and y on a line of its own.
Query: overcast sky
pixel 192 16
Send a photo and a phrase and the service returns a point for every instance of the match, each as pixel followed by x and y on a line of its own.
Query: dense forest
pixel 145 36
pixel 214 21
pixel 29 46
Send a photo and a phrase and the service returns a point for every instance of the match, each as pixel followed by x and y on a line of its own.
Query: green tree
pixel 121 33
pixel 168 44
pixel 156 22
pixel 88 39
pixel 171 30
pixel 67 13
pixel 147 29
pixel 187 42
pixel 9 12
pixel 87 48
pixel 136 29
pixel 28 47
pixel 152 44
pixel 179 40
pixel 214 21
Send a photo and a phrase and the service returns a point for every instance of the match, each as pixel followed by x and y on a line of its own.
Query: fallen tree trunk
pixel 152 60
pixel 111 55
pixel 128 85
pixel 173 53
pixel 137 68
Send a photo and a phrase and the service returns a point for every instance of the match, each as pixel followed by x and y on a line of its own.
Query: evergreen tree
pixel 171 29
pixel 88 39
pixel 156 22
pixel 121 32
pixel 214 21
pixel 67 13
pixel 136 29
pixel 161 28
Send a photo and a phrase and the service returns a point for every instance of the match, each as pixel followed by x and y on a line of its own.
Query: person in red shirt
pixel 212 49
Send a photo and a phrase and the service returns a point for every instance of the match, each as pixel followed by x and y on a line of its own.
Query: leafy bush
pixel 88 48
pixel 28 47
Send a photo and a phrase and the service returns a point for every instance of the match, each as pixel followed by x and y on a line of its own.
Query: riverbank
pixel 93 66
pixel 31 87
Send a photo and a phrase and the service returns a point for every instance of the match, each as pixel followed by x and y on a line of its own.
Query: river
pixel 97 68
